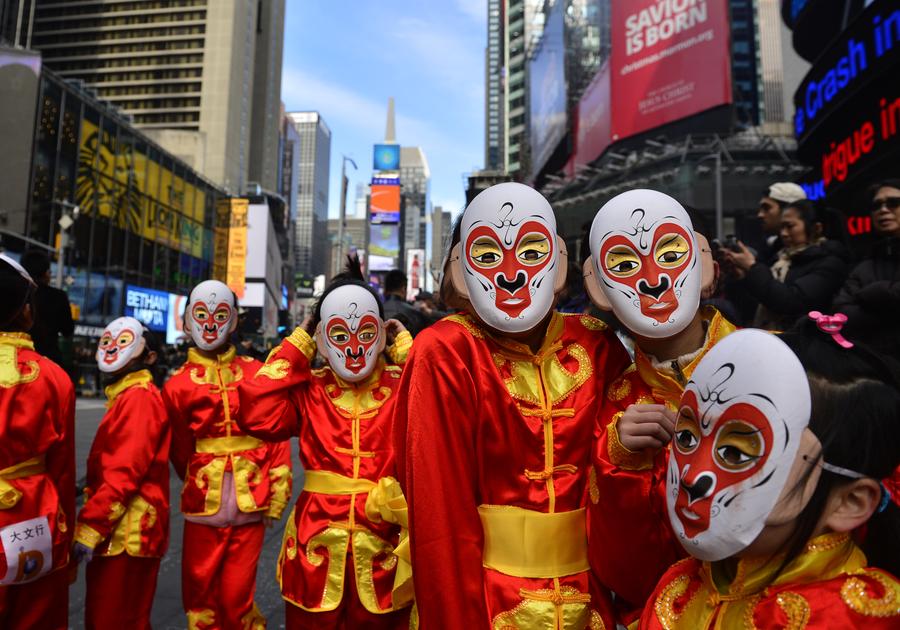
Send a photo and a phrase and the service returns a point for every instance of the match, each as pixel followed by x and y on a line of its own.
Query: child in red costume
pixel 37 468
pixel 123 527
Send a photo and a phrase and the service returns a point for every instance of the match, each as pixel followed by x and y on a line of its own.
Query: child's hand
pixel 82 552
pixel 646 426
pixel 393 328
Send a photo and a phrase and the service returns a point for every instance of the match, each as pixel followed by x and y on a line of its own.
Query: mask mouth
pixel 210 332
pixel 110 356
pixel 354 360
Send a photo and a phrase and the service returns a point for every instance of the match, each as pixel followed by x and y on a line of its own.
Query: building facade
pixel 415 182
pixel 311 222
pixel 201 78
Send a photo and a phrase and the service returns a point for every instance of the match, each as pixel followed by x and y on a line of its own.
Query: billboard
pixel 384 204
pixel 594 124
pixel 148 306
pixel 547 73
pixel 669 60
pixel 384 247
pixel 415 273
pixel 386 157
pixel 230 243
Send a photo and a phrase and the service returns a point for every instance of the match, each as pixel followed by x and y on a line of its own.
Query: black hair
pixel 856 417
pixel 446 293
pixel 395 280
pixel 17 293
pixel 351 276
pixel 872 190
pixel 36 263
pixel 808 214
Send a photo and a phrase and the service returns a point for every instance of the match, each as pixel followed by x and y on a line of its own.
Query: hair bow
pixel 831 325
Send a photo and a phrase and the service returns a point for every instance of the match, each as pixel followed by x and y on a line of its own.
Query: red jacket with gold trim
pixel 487 429
pixel 126 506
pixel 345 447
pixel 827 586
pixel 208 441
pixel 37 456
pixel 633 484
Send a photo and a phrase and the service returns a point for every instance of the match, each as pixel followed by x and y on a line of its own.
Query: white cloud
pixel 475 9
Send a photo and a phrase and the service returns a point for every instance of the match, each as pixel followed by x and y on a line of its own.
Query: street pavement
pixel 167 611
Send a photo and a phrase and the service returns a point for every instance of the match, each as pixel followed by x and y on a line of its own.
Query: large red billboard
pixel 670 59
pixel 593 128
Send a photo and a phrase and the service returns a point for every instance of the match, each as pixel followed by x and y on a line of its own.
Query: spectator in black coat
pixel 396 306
pixel 52 313
pixel 807 274
pixel 771 205
pixel 870 297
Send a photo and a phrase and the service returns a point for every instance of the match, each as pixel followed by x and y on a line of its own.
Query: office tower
pixel 311 223
pixel 415 179
pixel 187 73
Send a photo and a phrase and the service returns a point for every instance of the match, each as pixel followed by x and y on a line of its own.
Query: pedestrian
pixel 37 467
pixel 234 484
pixel 396 306
pixel 123 528
pixel 53 315
pixel 808 273
pixel 493 431
pixel 337 568
pixel 773 202
pixel 870 297
pixel 649 267
pixel 769 486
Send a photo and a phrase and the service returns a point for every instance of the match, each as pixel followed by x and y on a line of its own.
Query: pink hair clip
pixel 832 325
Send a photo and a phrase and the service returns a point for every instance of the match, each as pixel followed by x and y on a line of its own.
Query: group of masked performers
pixel 514 468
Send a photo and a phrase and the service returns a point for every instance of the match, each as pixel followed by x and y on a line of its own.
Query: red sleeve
pixel 135 433
pixel 61 456
pixel 629 523
pixel 280 477
pixel 271 400
pixel 437 408
pixel 182 437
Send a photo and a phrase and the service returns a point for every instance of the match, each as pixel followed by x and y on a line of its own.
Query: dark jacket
pixel 52 317
pixel 815 275
pixel 870 298
pixel 405 313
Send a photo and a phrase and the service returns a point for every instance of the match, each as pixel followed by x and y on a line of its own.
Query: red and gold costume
pixel 231 480
pixel 345 446
pixel 632 484
pixel 494 448
pixel 827 586
pixel 125 518
pixel 37 479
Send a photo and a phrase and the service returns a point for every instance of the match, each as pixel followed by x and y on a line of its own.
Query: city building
pixel 311 215
pixel 265 292
pixel 202 79
pixel 16 20
pixel 143 219
pixel 441 234
pixel 289 186
pixel 356 233
pixel 415 183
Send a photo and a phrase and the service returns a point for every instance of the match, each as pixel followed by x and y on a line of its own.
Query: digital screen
pixel 385 204
pixel 387 157
pixel 384 247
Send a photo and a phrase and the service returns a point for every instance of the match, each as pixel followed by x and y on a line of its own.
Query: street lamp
pixel 66 220
pixel 343 219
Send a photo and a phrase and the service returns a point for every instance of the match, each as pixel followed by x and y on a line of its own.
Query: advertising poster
pixel 385 204
pixel 237 247
pixel 384 247
pixel 547 72
pixel 148 306
pixel 386 157
pixel 670 59
pixel 415 272
pixel 594 129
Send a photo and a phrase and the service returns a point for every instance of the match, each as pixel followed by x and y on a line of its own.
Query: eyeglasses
pixel 891 203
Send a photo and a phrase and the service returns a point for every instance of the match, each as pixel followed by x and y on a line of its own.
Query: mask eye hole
pixel 533 249
pixel 368 333
pixel 222 314
pixel 125 338
pixel 485 252
pixel 338 335
pixel 201 314
pixel 738 445
pixel 105 340
pixel 622 262
pixel 672 250
pixel 687 431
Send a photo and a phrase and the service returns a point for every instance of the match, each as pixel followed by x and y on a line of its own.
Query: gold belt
pixel 529 544
pixel 325 482
pixel 226 445
pixel 9 496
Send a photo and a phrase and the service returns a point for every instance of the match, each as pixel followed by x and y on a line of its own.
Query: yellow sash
pixel 226 445
pixel 529 544
pixel 9 496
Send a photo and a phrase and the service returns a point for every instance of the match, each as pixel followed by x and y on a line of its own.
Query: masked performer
pixel 336 567
pixel 232 481
pixel 37 467
pixel 494 426
pixel 767 481
pixel 648 266
pixel 123 528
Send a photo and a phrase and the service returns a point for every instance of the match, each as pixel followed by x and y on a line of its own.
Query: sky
pixel 344 58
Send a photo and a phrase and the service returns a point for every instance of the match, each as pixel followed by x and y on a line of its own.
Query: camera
pixel 731 243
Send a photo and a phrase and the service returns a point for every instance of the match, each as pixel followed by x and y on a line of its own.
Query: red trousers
pixel 120 592
pixel 349 615
pixel 218 575
pixel 43 603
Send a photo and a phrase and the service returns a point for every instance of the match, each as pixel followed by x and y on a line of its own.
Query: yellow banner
pixel 237 246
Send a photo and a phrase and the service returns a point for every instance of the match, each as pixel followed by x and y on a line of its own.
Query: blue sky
pixel 345 58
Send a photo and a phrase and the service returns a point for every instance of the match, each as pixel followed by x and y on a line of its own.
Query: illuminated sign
pixel 230 243
pixel 385 204
pixel 859 225
pixel 148 306
pixel 386 157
